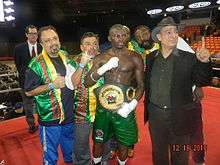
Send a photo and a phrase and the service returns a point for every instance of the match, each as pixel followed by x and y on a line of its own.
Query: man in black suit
pixel 23 53
pixel 170 75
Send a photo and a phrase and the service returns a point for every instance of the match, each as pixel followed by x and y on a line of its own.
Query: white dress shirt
pixel 30 46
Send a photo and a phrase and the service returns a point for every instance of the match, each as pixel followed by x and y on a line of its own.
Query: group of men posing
pixel 99 92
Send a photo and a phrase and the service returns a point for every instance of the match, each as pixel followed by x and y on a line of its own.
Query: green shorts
pixel 107 124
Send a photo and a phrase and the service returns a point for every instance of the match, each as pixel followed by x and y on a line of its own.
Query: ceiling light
pixel 154 11
pixel 8 3
pixel 174 8
pixel 2 19
pixel 9 18
pixel 199 5
pixel 218 2
pixel 9 10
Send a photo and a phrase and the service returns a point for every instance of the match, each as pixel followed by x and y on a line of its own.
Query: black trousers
pixel 167 148
pixel 197 140
pixel 28 106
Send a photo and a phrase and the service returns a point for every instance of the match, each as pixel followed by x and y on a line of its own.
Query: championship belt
pixel 111 97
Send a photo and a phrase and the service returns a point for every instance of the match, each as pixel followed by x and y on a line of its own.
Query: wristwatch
pixel 51 86
pixel 81 66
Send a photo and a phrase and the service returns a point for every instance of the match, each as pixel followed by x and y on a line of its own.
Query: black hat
pixel 168 21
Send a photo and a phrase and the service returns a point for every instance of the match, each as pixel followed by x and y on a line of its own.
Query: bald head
pixel 118 36
pixel 116 27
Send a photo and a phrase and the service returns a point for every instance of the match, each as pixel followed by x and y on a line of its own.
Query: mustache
pixel 55 46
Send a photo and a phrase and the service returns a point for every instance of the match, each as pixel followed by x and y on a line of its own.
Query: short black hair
pixel 29 27
pixel 87 35
pixel 44 28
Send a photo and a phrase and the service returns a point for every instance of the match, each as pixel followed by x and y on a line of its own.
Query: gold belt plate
pixel 111 97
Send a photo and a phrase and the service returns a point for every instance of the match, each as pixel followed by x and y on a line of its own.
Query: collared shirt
pixel 30 46
pixel 160 80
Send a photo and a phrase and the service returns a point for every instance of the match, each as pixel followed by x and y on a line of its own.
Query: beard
pixel 147 44
pixel 54 49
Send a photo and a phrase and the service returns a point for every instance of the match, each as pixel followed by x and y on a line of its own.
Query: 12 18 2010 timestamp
pixel 188 147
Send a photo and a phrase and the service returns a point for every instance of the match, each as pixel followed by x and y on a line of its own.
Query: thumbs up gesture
pixel 85 58
pixel 202 53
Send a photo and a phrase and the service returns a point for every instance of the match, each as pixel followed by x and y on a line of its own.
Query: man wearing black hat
pixel 169 106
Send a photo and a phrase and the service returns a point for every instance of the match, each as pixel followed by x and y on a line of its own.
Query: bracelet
pixel 91 76
pixel 51 86
pixel 81 66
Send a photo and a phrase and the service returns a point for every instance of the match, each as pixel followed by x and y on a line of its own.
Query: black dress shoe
pixel 33 129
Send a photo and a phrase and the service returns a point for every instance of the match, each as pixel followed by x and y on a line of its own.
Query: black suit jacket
pixel 22 58
pixel 187 71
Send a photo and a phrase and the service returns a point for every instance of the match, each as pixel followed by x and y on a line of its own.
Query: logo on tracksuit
pixel 99 134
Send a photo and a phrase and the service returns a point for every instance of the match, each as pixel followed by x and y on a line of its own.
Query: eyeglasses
pixel 49 40
pixel 32 33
